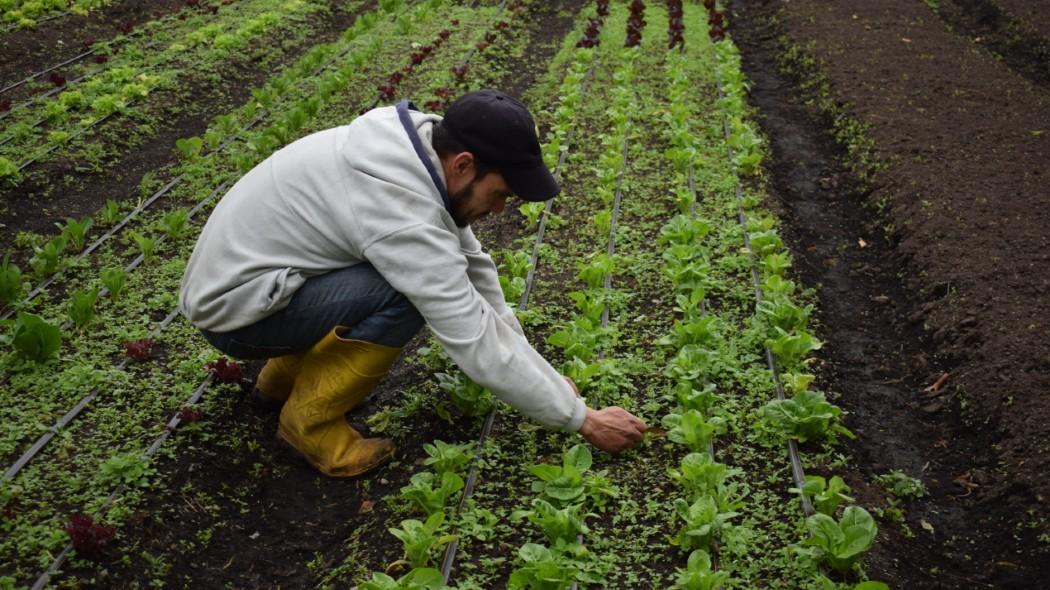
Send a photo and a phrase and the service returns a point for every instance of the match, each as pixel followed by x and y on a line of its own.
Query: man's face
pixel 478 198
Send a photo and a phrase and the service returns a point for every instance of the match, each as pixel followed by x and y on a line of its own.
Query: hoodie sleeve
pixel 427 265
pixel 485 278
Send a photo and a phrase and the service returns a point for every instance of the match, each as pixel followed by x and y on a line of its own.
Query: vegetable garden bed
pixel 656 280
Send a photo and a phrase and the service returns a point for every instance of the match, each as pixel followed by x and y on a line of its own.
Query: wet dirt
pixel 875 293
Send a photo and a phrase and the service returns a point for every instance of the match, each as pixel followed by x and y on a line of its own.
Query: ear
pixel 463 164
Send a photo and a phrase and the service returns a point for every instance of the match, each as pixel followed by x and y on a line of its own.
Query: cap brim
pixel 531 184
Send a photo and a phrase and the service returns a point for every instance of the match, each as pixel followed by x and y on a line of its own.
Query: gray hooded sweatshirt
pixel 360 193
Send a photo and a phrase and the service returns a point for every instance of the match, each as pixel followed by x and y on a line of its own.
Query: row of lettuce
pixel 133 399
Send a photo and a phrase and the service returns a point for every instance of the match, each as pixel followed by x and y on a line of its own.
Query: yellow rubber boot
pixel 336 376
pixel 274 384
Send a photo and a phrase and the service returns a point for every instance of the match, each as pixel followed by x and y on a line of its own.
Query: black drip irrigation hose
pixel 48 18
pixel 73 412
pixel 468 489
pixel 169 428
pixel 607 282
pixel 175 181
pixel 172 424
pixel 797 472
pixel 138 32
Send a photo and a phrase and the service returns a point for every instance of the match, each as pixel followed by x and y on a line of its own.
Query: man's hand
pixel 612 429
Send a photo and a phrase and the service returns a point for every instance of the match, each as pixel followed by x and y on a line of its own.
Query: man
pixel 328 257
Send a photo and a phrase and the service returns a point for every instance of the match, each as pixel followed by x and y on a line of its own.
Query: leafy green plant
pixel 147 245
pixel 443 457
pixel 805 416
pixel 546 569
pixel 113 279
pixel 76 231
pixel 692 429
pixel 700 475
pixel 581 338
pixel 594 270
pixel 776 264
pixel 8 172
pixel 129 469
pixel 11 286
pixel 686 230
pixel 417 579
pixel 840 544
pixel 174 223
pixel 701 400
pixel 556 523
pixel 110 213
pixel 567 483
pixel 189 147
pixel 33 337
pixel 471 398
pixel 82 306
pixel 47 258
pixel 825 495
pixel 902 485
pixel 791 347
pixel 421 490
pixel 421 539
pixel 783 314
pixel 703 522
pixel 699 574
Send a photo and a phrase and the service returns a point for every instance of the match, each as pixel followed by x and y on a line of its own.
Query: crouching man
pixel 332 253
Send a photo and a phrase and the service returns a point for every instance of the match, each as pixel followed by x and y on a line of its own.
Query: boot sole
pixel 290 440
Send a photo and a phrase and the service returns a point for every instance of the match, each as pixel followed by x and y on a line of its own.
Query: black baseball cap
pixel 499 131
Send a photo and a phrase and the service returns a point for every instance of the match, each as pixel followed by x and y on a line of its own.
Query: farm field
pixel 805 242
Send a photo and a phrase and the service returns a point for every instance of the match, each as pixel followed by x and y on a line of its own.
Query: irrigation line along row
pixel 468 489
pixel 84 129
pixel 87 399
pixel 48 18
pixel 797 472
pixel 169 428
pixel 80 405
pixel 76 58
pixel 84 402
pixel 178 179
pixel 610 249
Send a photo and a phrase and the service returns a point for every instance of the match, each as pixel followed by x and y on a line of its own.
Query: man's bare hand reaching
pixel 612 429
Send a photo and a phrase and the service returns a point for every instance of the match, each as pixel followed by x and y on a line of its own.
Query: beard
pixel 460 204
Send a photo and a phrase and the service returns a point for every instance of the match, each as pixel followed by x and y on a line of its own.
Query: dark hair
pixel 446 145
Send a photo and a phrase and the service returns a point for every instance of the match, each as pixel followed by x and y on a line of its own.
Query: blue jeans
pixel 356 297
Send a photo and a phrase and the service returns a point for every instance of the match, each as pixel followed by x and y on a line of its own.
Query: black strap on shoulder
pixel 406 121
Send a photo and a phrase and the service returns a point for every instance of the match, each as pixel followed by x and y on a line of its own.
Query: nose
pixel 499 205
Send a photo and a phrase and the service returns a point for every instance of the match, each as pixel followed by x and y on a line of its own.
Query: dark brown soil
pixel 59 189
pixel 27 51
pixel 1021 43
pixel 271 520
pixel 1029 14
pixel 957 288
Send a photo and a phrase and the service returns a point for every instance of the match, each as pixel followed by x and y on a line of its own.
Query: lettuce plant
pixel 781 313
pixel 825 495
pixel 841 544
pixel 702 400
pixel 703 522
pixel 699 474
pixel 11 287
pixel 113 279
pixel 564 484
pixel 471 398
pixel 89 538
pixel 33 337
pixel 805 416
pixel 699 574
pixel 76 231
pixel 551 569
pixel 692 429
pixel 686 230
pixel 46 259
pixel 443 457
pixel 421 490
pixel 417 579
pixel 791 347
pixel 563 524
pixel 82 306
pixel 421 539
